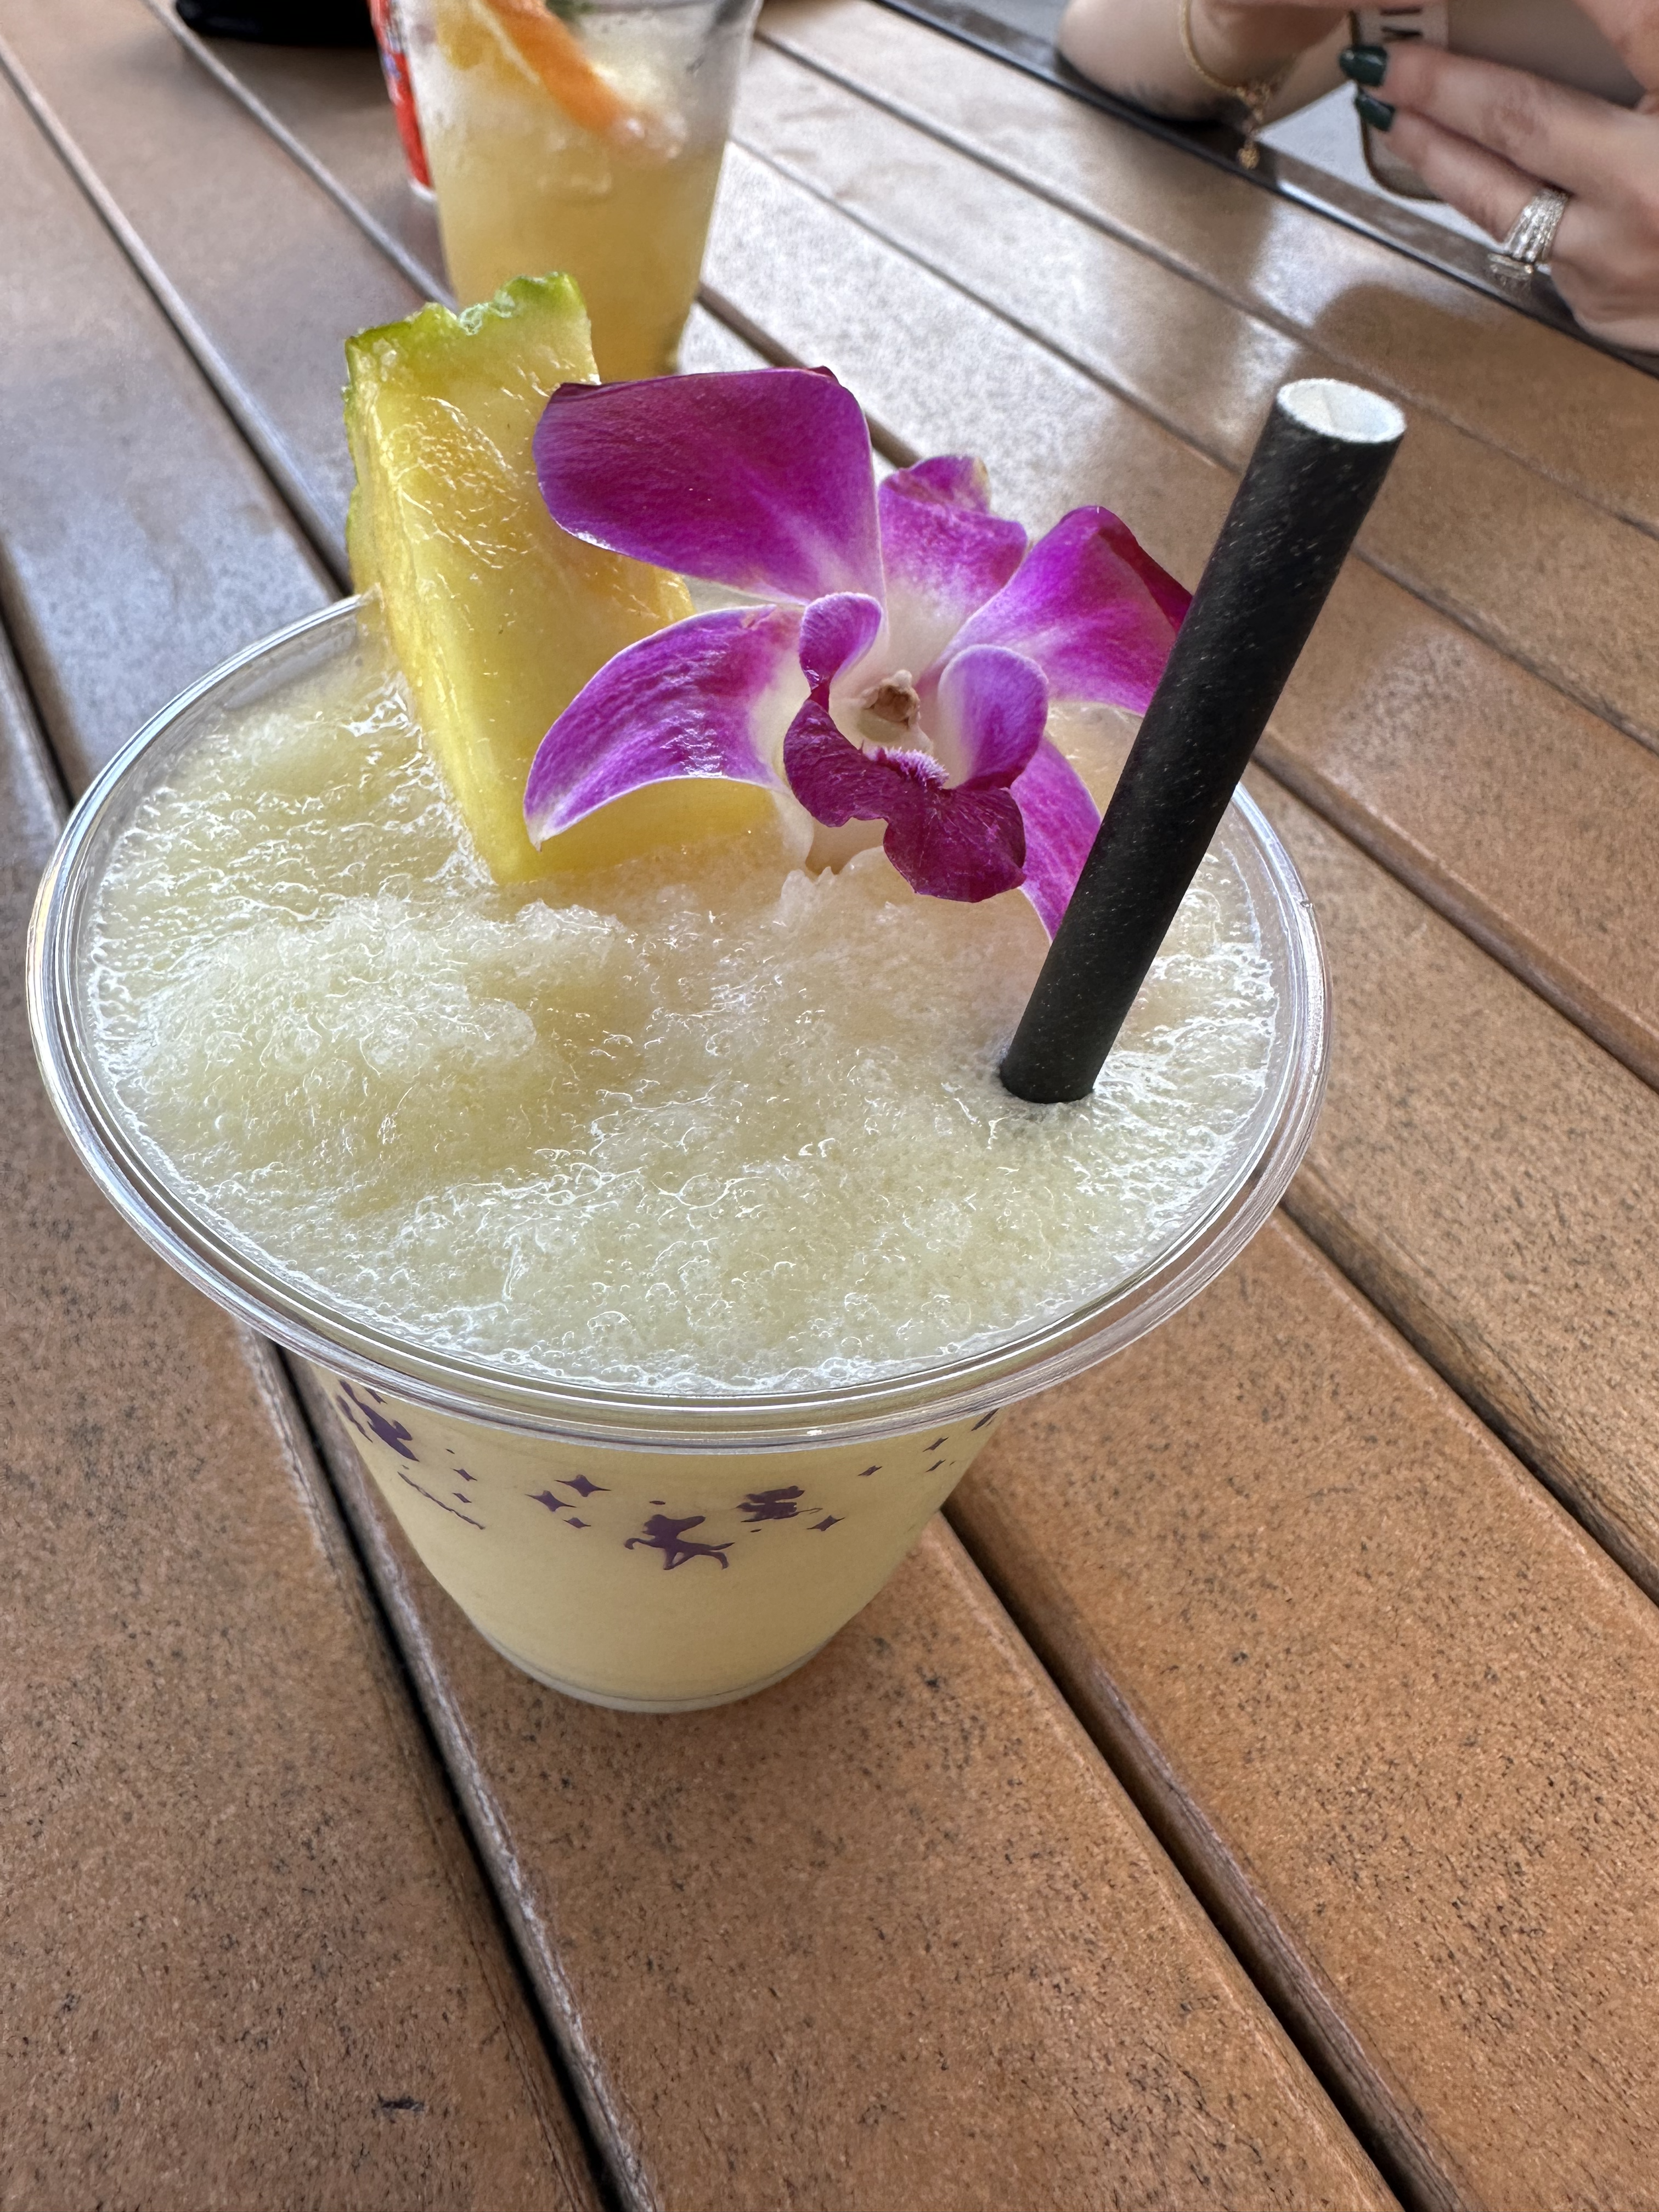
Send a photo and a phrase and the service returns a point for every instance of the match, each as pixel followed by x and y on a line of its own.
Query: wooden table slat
pixel 261 271
pixel 1484 1174
pixel 890 1932
pixel 886 1935
pixel 140 542
pixel 31 795
pixel 1458 352
pixel 247 1955
pixel 1550 579
pixel 1396 1712
pixel 1438 753
pixel 328 107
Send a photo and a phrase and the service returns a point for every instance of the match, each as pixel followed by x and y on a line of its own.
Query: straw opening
pixel 1336 410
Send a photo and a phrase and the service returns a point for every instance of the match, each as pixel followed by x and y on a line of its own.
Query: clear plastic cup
pixel 584 135
pixel 641 1550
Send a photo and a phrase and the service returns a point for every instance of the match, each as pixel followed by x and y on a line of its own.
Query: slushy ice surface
pixel 705 1123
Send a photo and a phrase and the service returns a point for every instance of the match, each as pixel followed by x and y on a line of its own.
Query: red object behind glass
pixel 395 63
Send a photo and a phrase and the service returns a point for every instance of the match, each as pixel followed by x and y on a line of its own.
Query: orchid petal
pixel 704 697
pixel 1090 606
pixel 835 634
pixel 947 843
pixel 989 714
pixel 1062 820
pixel 760 478
pixel 945 553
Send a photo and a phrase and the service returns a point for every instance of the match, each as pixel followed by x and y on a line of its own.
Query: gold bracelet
pixel 1254 95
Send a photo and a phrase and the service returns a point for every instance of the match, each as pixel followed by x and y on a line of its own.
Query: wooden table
pixel 1251 1798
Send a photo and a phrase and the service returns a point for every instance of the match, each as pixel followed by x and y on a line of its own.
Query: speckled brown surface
pixel 1457 351
pixel 1486 1173
pixel 333 102
pixel 1401 1711
pixel 888 1935
pixel 140 542
pixel 1415 736
pixel 149 124
pixel 1548 576
pixel 1434 748
pixel 246 1954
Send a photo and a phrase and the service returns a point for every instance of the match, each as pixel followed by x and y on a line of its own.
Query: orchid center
pixel 892 704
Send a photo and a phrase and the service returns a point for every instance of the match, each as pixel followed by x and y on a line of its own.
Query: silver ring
pixel 1532 233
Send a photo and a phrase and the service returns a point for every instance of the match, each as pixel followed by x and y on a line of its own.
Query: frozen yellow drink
pixel 632 1133
pixel 635 1169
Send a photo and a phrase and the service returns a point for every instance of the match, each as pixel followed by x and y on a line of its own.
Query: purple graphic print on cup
pixel 368 1422
pixel 561 1505
pixel 432 1497
pixel 660 1534
pixel 772 1505
pixel 582 1488
pixel 379 1428
pixel 678 1537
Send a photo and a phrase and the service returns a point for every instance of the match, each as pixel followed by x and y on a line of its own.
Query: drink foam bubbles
pixel 707 1123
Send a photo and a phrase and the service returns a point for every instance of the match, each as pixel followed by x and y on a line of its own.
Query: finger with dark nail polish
pixel 1363 65
pixel 1377 112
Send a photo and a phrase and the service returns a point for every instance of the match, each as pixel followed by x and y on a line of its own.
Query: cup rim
pixel 1232 1207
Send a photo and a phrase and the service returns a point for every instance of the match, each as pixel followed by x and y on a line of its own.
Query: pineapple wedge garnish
pixel 496 617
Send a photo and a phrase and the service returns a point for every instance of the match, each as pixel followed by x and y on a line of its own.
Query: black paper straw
pixel 1316 468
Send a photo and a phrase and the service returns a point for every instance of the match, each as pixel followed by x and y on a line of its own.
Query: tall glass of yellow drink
pixel 584 135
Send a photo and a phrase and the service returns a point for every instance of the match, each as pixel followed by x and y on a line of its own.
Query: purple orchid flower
pixel 901 668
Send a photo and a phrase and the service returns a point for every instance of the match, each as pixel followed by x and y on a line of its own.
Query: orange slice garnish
pixel 554 53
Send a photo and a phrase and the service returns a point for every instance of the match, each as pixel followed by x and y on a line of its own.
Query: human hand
pixel 1485 137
